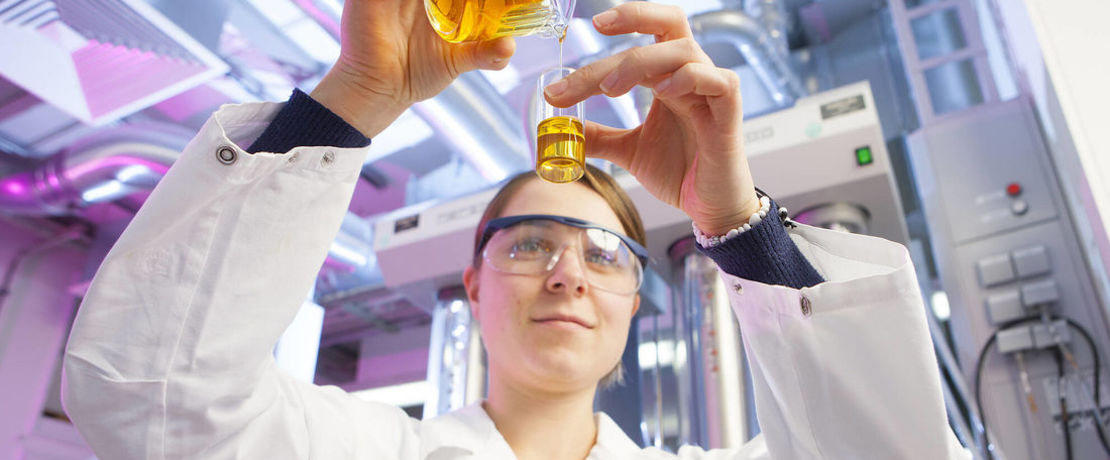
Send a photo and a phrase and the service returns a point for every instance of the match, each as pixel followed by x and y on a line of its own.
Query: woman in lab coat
pixel 170 356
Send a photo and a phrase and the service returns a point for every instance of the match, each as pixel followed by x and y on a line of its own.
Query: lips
pixel 561 318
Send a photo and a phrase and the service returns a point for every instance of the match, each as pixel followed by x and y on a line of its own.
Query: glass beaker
pixel 473 20
pixel 560 134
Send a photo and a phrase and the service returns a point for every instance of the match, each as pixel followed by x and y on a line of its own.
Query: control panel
pixel 1020 293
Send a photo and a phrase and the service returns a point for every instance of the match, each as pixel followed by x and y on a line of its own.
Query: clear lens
pixel 533 248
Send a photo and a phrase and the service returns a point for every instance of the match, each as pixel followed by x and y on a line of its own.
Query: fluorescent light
pixel 651 356
pixel 348 255
pixel 127 174
pixel 102 192
pixel 941 308
pixel 401 395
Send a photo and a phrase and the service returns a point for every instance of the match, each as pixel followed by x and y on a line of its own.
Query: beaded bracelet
pixel 707 241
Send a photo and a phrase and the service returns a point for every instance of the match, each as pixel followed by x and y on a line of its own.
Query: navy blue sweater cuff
pixel 305 122
pixel 765 254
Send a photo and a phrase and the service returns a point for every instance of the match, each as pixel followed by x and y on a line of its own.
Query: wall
pixel 34 324
pixel 1057 49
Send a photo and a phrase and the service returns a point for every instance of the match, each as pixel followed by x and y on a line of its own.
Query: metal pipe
pixel 772 14
pixel 119 161
pixel 111 165
pixel 455 368
pixel 757 46
pixel 477 123
pixel 713 338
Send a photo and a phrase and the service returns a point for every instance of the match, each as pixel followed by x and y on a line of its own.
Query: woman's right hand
pixel 391 58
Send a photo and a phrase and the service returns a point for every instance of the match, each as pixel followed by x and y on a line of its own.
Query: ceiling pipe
pixel 133 158
pixel 101 168
pixel 476 122
pixel 774 17
pixel 470 115
pixel 753 41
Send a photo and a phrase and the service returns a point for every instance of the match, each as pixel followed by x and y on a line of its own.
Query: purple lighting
pixel 14 187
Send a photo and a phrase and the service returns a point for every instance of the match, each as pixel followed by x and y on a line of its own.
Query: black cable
pixel 982 360
pixel 979 382
pixel 1062 391
pixel 1097 374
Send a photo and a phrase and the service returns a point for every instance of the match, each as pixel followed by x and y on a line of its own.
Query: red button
pixel 1014 189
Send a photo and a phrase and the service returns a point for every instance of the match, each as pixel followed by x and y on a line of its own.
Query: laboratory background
pixel 972 131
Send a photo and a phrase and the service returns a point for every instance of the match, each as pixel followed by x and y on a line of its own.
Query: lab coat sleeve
pixel 171 352
pixel 844 369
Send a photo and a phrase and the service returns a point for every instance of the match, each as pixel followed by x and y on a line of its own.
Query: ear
pixel 470 283
pixel 635 305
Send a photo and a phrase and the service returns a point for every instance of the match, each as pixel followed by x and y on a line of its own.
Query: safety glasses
pixel 533 245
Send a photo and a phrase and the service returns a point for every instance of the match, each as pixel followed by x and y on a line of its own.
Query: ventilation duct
pixel 475 121
pixel 101 168
pixel 757 46
pixel 134 158
pixel 99 61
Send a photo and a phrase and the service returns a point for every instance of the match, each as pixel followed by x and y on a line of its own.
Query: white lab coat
pixel 171 353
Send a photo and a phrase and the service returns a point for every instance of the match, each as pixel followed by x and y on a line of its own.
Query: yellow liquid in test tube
pixel 468 20
pixel 560 149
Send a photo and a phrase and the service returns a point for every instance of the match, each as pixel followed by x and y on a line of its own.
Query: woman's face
pixel 525 345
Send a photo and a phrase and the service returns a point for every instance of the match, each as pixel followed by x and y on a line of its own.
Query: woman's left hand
pixel 689 150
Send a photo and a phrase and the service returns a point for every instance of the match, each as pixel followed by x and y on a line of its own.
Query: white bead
pixel 732 234
pixel 764 201
pixel 755 220
pixel 783 211
pixel 747 227
pixel 762 214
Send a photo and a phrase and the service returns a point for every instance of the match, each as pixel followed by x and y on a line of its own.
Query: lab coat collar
pixel 470 433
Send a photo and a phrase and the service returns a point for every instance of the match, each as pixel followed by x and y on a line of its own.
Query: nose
pixel 568 273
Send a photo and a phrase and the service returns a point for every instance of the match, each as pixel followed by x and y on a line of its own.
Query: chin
pixel 565 369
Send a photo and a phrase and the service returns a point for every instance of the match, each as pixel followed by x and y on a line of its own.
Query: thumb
pixel 487 54
pixel 609 143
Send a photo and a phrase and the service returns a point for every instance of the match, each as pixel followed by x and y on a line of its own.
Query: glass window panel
pixel 953 86
pixel 938 33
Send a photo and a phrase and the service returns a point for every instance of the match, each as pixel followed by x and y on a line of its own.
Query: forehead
pixel 568 200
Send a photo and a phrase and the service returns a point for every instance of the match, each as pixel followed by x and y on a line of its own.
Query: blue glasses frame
pixel 505 222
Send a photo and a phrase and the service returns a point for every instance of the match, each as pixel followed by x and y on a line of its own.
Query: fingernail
pixel 609 82
pixel 556 88
pixel 605 18
pixel 497 61
pixel 662 86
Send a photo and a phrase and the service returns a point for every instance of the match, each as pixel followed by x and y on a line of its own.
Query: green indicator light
pixel 863 156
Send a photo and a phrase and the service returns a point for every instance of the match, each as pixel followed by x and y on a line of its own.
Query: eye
pixel 530 247
pixel 602 258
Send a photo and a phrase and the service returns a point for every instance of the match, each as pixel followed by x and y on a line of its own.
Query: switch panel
pixel 1047 335
pixel 1031 261
pixel 995 270
pixel 1015 339
pixel 1005 306
pixel 1038 293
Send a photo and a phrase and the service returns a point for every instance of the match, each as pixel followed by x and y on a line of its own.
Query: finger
pixel 616 75
pixel 487 54
pixel 648 64
pixel 699 79
pixel 580 84
pixel 609 143
pixel 664 21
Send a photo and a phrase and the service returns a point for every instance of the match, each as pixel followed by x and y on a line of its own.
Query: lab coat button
pixel 226 155
pixel 294 157
pixel 328 159
pixel 739 289
pixel 807 307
